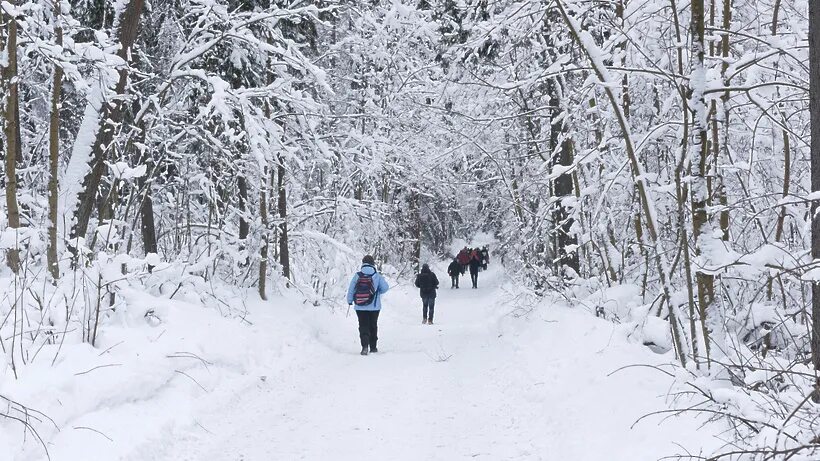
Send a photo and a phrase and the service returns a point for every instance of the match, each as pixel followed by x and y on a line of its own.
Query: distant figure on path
pixel 475 264
pixel 365 292
pixel 454 270
pixel 463 259
pixel 427 283
pixel 485 257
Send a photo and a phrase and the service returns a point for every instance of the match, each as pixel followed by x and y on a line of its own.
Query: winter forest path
pixel 480 384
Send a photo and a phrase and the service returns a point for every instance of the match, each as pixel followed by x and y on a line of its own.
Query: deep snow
pixel 479 384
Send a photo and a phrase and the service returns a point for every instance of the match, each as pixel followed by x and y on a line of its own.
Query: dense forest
pixel 664 148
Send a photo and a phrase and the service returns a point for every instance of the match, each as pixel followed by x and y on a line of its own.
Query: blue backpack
pixel 364 293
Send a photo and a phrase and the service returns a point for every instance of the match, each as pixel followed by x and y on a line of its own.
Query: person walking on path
pixel 475 264
pixel 427 283
pixel 454 270
pixel 475 254
pixel 463 259
pixel 365 290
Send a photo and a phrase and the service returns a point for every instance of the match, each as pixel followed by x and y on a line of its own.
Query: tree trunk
pixel 3 92
pixel 720 187
pixel 700 151
pixel 415 231
pixel 147 224
pixel 787 156
pixel 263 251
pixel 12 134
pixel 814 97
pixel 111 117
pixel 282 205
pixel 620 7
pixel 626 103
pixel 54 151
pixel 244 226
pixel 562 188
pixel 604 244
pixel 142 156
pixel 682 191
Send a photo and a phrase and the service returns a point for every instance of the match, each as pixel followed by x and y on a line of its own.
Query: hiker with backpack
pixel 364 293
pixel 454 270
pixel 475 264
pixel 427 283
pixel 463 259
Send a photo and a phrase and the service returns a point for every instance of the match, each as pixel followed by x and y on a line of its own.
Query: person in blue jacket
pixel 364 293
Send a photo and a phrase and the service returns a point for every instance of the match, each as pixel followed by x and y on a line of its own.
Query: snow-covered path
pixel 479 384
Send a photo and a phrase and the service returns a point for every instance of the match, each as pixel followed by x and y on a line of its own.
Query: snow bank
pixel 171 380
pixel 155 368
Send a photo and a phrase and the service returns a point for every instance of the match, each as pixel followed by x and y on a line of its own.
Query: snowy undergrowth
pixel 163 370
pixel 755 381
pixel 164 344
pixel 123 350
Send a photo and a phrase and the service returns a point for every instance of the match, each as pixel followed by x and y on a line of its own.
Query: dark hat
pixel 368 260
pixel 425 267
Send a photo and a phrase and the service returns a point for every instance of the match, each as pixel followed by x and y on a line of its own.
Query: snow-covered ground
pixel 479 384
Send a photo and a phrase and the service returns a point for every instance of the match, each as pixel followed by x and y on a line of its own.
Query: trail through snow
pixel 479 384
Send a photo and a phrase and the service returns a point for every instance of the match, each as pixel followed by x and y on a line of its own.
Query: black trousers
pixel 429 304
pixel 474 278
pixel 454 280
pixel 368 328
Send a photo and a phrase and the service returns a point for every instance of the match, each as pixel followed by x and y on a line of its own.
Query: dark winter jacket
pixel 475 263
pixel 427 282
pixel 454 269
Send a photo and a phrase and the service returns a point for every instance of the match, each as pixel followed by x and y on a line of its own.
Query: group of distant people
pixel 367 286
pixel 473 259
